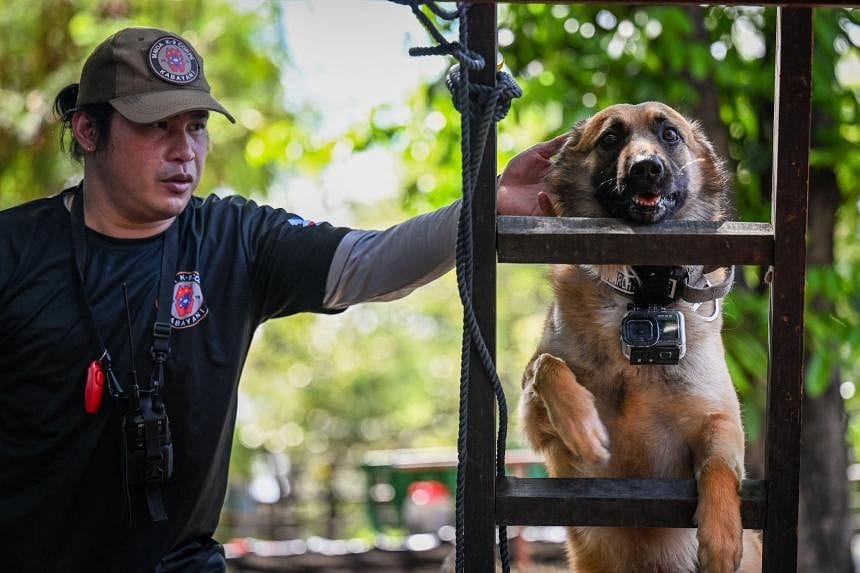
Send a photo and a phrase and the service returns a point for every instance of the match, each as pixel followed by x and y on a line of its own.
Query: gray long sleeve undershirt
pixel 386 265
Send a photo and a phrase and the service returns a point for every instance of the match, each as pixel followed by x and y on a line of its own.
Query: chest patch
pixel 188 306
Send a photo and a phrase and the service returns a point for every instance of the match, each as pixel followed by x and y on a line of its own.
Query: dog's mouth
pixel 649 205
pixel 640 200
pixel 647 199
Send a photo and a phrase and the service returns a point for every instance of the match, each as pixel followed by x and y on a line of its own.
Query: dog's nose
pixel 647 170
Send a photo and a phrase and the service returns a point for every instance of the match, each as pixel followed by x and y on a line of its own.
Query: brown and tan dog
pixel 586 407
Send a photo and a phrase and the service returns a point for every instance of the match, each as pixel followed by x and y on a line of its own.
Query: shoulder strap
pixel 156 426
pixel 161 329
pixel 79 250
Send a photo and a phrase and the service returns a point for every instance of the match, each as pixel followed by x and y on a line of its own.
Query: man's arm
pixel 386 265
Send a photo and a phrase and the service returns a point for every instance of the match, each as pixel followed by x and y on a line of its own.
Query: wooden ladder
pixel 770 504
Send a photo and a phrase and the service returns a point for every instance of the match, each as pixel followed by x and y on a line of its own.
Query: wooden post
pixel 479 494
pixel 791 131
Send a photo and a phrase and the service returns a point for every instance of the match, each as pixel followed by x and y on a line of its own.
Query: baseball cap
pixel 147 75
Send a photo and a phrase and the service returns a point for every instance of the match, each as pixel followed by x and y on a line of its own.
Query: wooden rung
pixel 608 241
pixel 613 502
pixel 794 3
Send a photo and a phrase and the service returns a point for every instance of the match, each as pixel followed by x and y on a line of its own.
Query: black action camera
pixel 139 469
pixel 653 336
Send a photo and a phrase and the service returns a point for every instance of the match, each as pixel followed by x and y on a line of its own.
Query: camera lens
pixel 639 331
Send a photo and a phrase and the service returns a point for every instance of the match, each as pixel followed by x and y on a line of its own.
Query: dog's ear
pixel 701 139
pixel 714 163
pixel 716 181
pixel 576 133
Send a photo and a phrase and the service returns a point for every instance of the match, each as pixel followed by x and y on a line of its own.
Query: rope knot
pixel 505 90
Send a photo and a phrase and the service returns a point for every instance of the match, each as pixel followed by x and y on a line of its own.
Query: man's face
pixel 150 170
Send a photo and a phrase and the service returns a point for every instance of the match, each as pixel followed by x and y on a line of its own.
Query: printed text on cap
pixel 172 61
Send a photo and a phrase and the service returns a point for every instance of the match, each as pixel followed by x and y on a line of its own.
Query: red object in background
pixel 428 506
pixel 429 491
pixel 95 387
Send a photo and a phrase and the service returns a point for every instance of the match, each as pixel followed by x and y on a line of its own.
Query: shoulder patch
pixel 188 306
pixel 297 221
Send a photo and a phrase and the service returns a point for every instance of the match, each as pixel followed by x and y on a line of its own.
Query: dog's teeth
pixel 646 200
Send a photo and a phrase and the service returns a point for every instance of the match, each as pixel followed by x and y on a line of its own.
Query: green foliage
pixel 349 383
pixel 43 45
pixel 745 320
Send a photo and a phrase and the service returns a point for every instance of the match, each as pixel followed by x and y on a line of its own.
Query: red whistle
pixel 95 387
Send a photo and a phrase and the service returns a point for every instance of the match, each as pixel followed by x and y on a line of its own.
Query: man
pixel 127 307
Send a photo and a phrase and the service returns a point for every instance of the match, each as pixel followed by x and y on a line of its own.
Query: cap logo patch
pixel 173 61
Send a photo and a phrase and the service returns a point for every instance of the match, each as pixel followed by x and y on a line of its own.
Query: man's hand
pixel 521 189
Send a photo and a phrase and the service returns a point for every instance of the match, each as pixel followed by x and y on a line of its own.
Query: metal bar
pixel 609 241
pixel 613 502
pixel 791 132
pixel 479 493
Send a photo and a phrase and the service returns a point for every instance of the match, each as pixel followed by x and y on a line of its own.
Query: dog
pixel 585 406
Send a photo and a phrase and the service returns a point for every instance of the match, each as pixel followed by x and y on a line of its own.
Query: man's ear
pixel 84 130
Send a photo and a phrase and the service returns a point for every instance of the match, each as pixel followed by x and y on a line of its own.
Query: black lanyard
pixel 147 443
pixel 161 327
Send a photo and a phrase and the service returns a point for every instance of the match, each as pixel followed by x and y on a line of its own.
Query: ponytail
pixel 64 108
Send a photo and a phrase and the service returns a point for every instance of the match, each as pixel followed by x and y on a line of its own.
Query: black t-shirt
pixel 62 504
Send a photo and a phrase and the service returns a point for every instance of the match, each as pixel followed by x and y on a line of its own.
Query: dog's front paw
pixel 720 551
pixel 571 410
pixel 718 516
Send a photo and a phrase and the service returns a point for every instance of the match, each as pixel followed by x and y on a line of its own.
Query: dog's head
pixel 644 163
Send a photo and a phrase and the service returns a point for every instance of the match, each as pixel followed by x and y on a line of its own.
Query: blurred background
pixel 343 455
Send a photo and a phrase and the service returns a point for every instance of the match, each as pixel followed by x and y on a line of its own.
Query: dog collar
pixel 659 286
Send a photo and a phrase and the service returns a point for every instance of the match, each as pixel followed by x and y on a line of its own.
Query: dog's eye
pixel 609 140
pixel 670 134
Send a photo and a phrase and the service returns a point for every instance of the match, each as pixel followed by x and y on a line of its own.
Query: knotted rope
pixel 480 94
pixel 486 104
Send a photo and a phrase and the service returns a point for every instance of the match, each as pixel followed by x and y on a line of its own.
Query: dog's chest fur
pixel 641 403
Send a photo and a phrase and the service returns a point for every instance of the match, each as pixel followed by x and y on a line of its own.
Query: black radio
pixel 147 463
